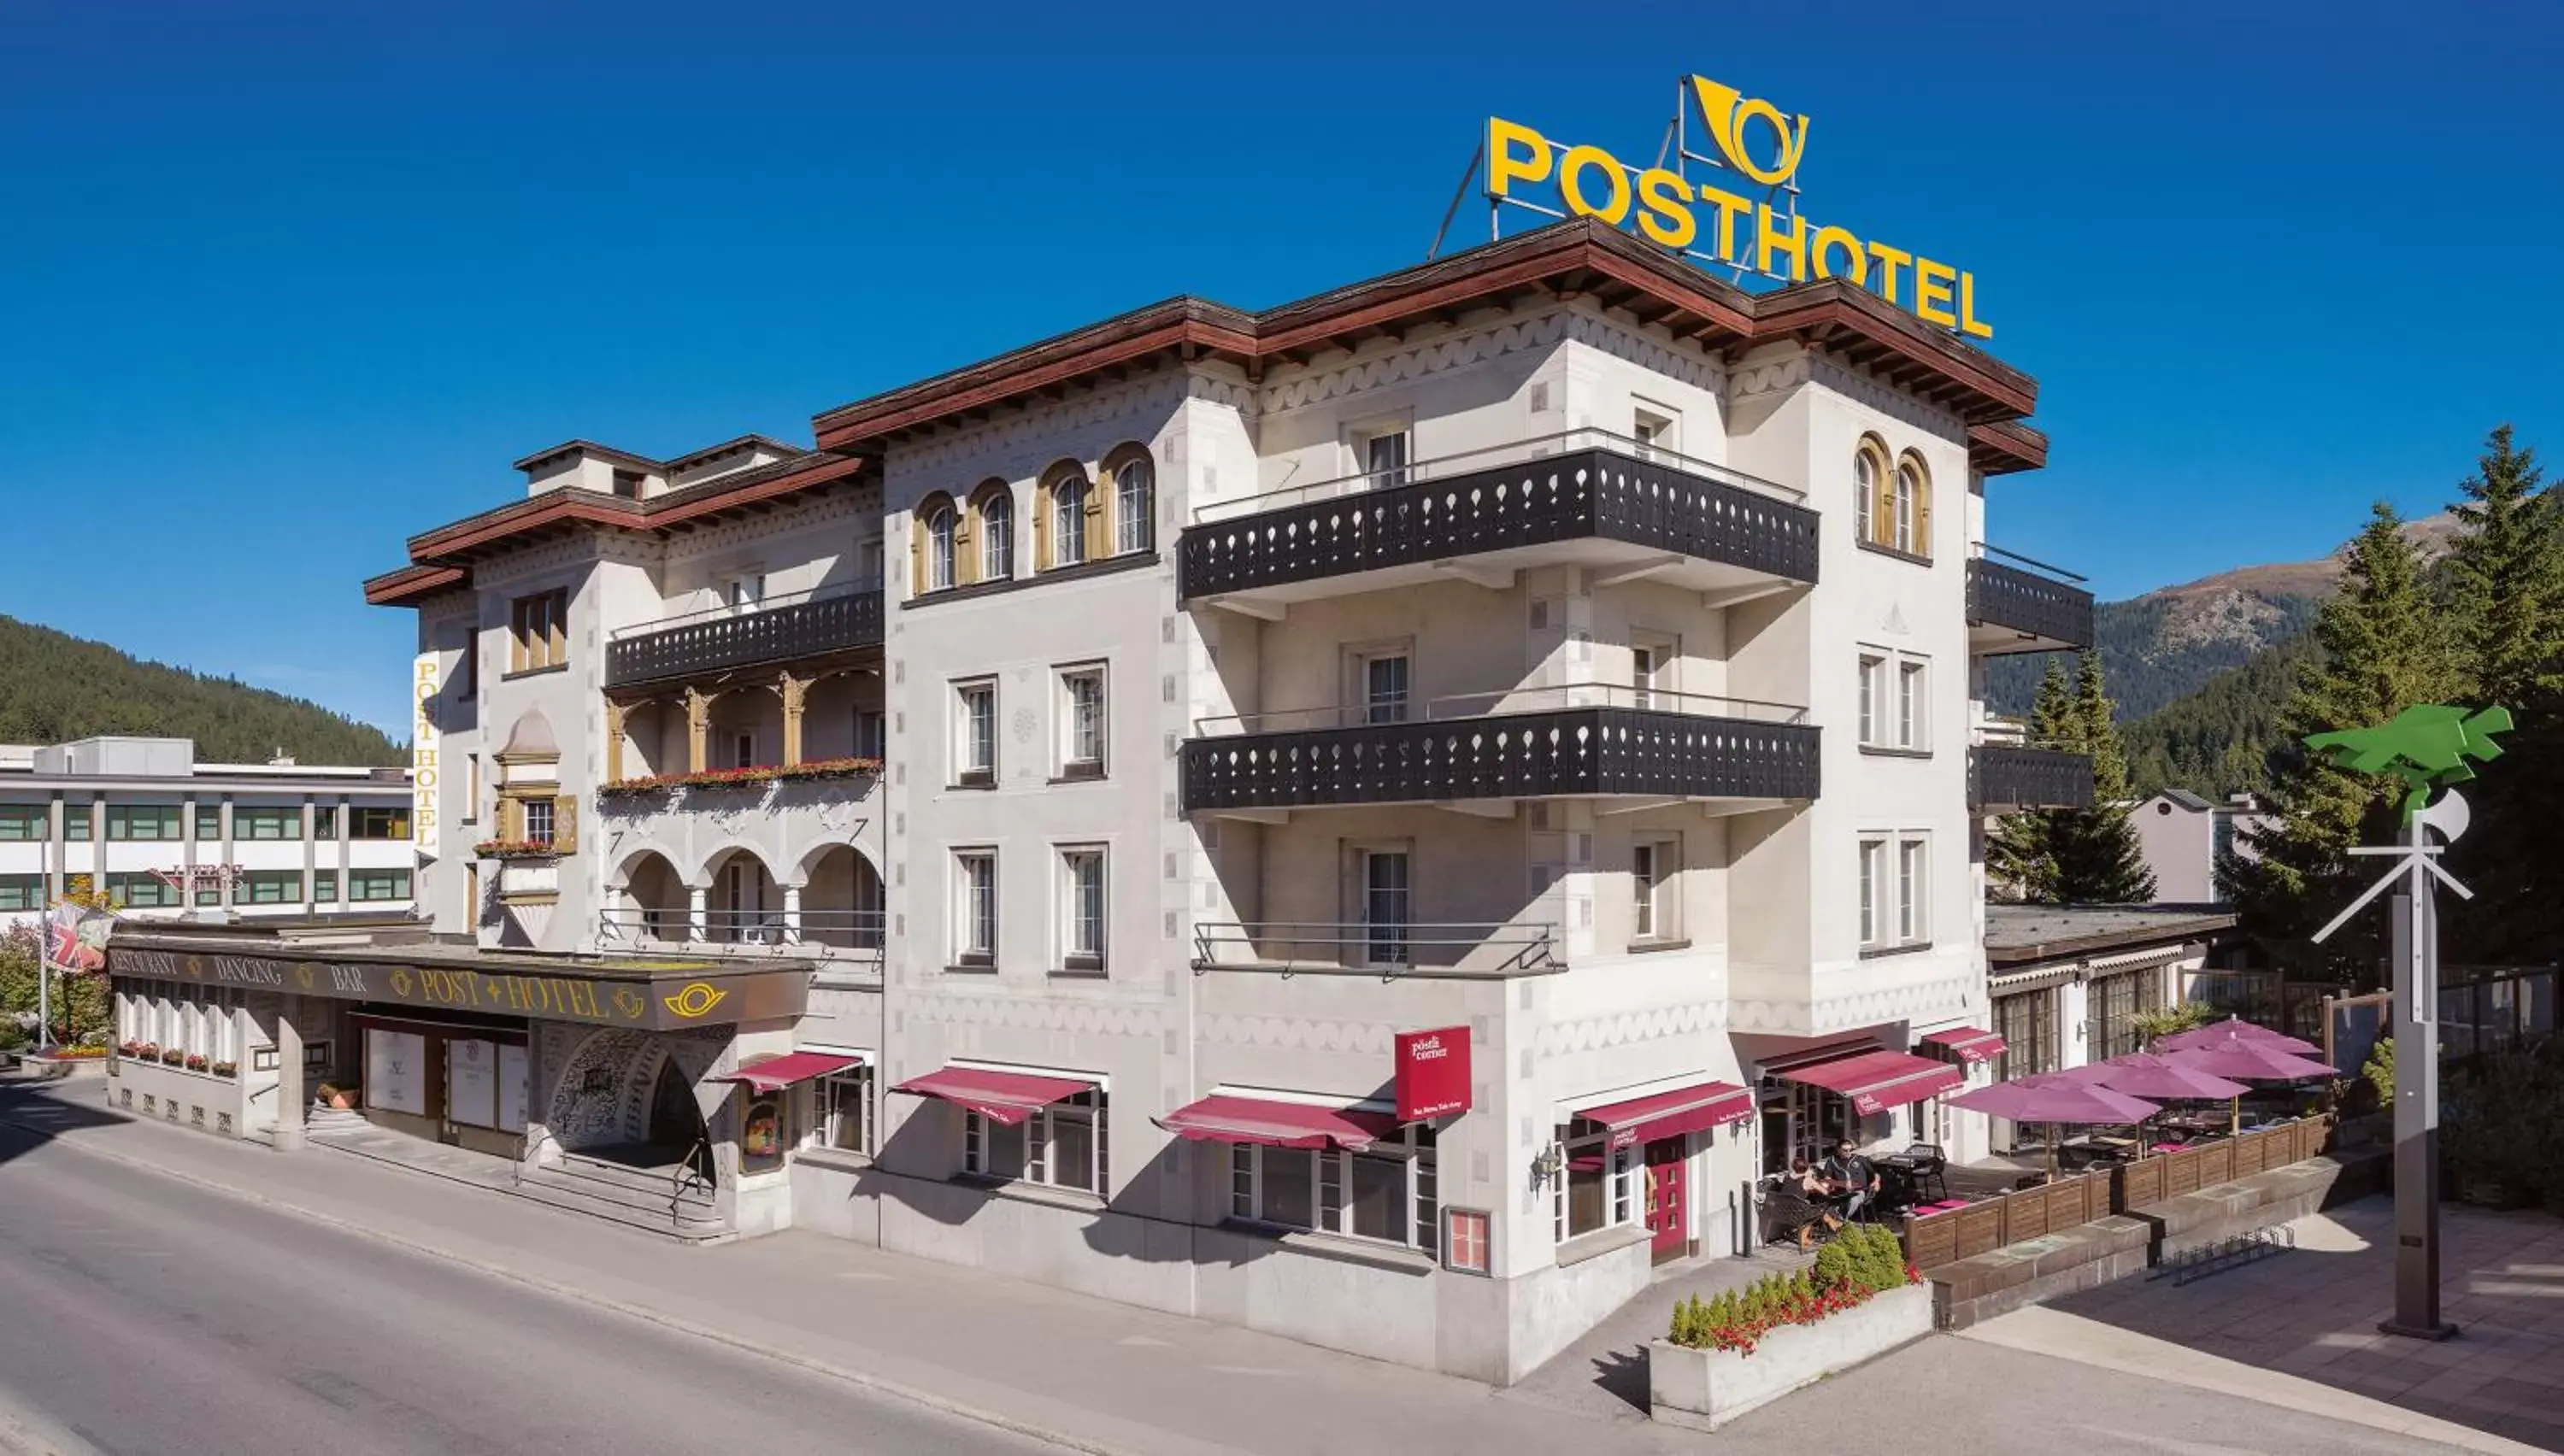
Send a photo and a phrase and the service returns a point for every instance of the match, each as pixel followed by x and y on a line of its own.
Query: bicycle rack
pixel 2217 1256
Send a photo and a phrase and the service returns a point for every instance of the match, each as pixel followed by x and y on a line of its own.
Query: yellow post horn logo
pixel 1727 110
pixel 695 1000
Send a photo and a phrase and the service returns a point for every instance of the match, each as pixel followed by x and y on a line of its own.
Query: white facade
pixel 2182 835
pixel 1593 838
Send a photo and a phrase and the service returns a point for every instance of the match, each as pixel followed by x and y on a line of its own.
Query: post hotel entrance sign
pixel 1757 148
pixel 1433 1073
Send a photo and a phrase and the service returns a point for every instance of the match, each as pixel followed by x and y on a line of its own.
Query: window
pixel 209 822
pixel 325 887
pixel 743 748
pixel 76 822
pixel 1387 1192
pixel 1871 851
pixel 1081 900
pixel 22 891
pixel 1593 1190
pixel 538 819
pixel 538 631
pixel 1895 891
pixel 269 887
pixel 1895 702
pixel 325 820
pixel 1909 891
pixel 1654 432
pixel 369 822
pixel 1061 1146
pixel 627 483
pixel 1652 669
pixel 266 822
pixel 1385 907
pixel 1910 705
pixel 25 822
pixel 1384 460
pixel 1069 499
pixel 872 734
pixel 764 1132
pixel 1466 1245
pixel 939 526
pixel 974 745
pixel 139 890
pixel 377 884
pixel 845 1109
pixel 1384 686
pixel 996 534
pixel 2027 1022
pixel 1909 492
pixel 1654 888
pixel 1135 494
pixel 1081 749
pixel 142 821
pixel 1864 470
pixel 974 910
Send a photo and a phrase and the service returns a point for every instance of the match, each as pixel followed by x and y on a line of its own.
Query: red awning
pixel 1277 1124
pixel 1877 1081
pixel 1970 1043
pixel 1672 1114
pixel 776 1073
pixel 1002 1097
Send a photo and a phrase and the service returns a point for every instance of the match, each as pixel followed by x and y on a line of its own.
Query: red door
pixel 1667 1217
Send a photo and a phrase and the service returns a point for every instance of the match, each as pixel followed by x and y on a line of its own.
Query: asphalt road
pixel 139 1314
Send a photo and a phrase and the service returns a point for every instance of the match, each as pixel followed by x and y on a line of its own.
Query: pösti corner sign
pixel 1753 141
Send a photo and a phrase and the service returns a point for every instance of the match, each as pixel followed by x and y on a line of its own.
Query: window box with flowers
pixel 225 1070
pixel 516 849
pixel 174 1057
pixel 762 773
pixel 139 1051
pixel 1750 1347
pixel 197 1062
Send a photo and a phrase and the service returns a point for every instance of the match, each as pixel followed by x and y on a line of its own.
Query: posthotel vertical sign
pixel 1433 1073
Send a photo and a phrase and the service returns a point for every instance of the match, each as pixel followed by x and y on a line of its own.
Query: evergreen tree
pixel 2093 854
pixel 2016 853
pixel 2384 645
pixel 2507 577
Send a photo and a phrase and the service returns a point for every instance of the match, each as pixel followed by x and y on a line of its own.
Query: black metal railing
pixel 726 638
pixel 1497 950
pixel 2003 776
pixel 1610 491
pixel 1558 752
pixel 2038 607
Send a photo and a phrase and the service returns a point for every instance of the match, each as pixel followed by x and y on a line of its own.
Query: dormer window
pixel 627 483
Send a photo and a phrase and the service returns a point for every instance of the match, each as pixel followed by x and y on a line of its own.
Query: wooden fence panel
pixel 2217 1163
pixel 1932 1242
pixel 2141 1183
pixel 2248 1153
pixel 2180 1172
pixel 1980 1228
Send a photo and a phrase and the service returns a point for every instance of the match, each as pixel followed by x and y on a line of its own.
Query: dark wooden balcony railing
pixel 2027 603
pixel 1594 487
pixel 725 639
pixel 1562 751
pixel 2006 776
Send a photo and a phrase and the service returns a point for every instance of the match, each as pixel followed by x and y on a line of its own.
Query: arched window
pixel 939 547
pixel 1865 478
pixel 996 533
pixel 1069 502
pixel 1134 504
pixel 1905 492
pixel 1913 506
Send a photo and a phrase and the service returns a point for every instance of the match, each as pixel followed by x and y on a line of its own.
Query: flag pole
pixel 45 954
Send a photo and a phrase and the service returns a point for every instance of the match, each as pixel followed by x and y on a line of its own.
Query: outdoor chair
pixel 1930 1171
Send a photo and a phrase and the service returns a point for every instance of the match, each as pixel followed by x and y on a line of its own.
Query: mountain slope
pixel 2218 741
pixel 55 688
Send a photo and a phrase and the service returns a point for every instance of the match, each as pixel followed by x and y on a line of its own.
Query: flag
pixel 76 937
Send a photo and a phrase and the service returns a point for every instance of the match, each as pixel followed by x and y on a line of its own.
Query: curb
pixel 863 1381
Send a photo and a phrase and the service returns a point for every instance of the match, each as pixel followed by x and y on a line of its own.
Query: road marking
pixel 1143 1341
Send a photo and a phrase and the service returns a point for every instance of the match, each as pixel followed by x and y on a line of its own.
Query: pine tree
pixel 2383 645
pixel 2093 854
pixel 2016 853
pixel 2507 575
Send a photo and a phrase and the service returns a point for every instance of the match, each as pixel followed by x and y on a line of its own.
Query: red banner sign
pixel 1433 1073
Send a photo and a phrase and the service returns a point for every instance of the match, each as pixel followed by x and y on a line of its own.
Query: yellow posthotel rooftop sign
pixel 1754 141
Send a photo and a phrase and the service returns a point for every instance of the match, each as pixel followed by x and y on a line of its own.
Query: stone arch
pixel 743 900
pixel 602 1096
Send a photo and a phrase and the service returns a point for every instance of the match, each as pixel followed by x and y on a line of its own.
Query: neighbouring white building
pixel 2182 835
pixel 1054 823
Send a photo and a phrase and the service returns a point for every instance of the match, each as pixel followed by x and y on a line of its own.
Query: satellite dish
pixel 2449 816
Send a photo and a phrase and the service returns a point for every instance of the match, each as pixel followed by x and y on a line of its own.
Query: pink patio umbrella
pixel 2142 1073
pixel 2248 1061
pixel 2056 1098
pixel 2233 1029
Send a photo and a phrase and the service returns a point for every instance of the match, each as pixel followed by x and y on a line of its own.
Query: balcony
pixel 1589 740
pixel 723 639
pixel 2003 776
pixel 2014 609
pixel 1582 498
pixel 1491 951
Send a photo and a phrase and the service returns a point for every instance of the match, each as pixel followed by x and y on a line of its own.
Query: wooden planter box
pixel 1703 1390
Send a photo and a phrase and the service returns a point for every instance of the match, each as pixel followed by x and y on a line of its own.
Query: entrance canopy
pixel 776 1073
pixel 1672 1114
pixel 1879 1080
pixel 1969 1043
pixel 1002 1097
pixel 1271 1124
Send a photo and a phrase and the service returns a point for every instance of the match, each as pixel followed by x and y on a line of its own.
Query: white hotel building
pixel 1548 645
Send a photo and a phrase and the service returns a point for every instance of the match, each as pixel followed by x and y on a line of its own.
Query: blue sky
pixel 281 285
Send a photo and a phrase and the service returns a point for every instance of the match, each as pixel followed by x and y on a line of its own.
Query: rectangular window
pixel 975 911
pixel 325 818
pixel 845 1109
pixel 209 825
pixel 1910 923
pixel 1873 669
pixel 1082 907
pixel 745 593
pixel 269 887
pixel 267 822
pixel 377 884
pixel 1468 1247
pixel 1871 850
pixel 367 822
pixel 974 746
pixel 872 734
pixel 1081 749
pixel 742 749
pixel 627 483
pixel 76 822
pixel 1387 1194
pixel 142 821
pixel 1384 682
pixel 538 820
pixel 1591 1192
pixel 1910 707
pixel 538 631
pixel 1385 907
pixel 1654 432
pixel 139 890
pixel 1384 460
pixel 25 822
pixel 325 887
pixel 1655 895
pixel 22 891
pixel 1060 1146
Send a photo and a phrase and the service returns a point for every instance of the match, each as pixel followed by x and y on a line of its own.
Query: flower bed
pixel 822 768
pixel 515 849
pixel 1746 1348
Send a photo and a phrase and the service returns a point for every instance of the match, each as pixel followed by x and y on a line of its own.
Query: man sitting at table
pixel 1852 1177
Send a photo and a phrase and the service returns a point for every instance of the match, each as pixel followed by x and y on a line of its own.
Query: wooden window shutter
pixel 1922 513
pixel 917 580
pixel 1041 526
pixel 511 819
pixel 1099 542
pixel 1883 510
pixel 564 824
pixel 966 562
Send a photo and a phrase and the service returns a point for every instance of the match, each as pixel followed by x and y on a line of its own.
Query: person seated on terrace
pixel 1850 1179
pixel 1811 1191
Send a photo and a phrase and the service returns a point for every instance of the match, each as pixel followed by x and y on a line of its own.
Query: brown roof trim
pixel 2007 446
pixel 744 441
pixel 1829 315
pixel 2172 934
pixel 556 452
pixel 411 584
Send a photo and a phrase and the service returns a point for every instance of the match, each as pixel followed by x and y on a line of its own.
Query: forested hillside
pixel 55 688
pixel 2218 741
